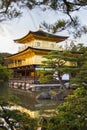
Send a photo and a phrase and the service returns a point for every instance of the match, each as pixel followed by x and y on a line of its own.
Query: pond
pixel 28 98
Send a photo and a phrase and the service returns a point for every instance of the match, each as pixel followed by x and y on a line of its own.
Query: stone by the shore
pixel 44 95
pixel 58 96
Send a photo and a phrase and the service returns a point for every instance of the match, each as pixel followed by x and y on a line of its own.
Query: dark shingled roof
pixel 43 34
pixel 39 49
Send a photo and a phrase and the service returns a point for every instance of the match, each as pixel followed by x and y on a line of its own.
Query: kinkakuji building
pixel 29 58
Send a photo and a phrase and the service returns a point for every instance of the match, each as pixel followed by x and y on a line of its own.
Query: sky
pixel 30 20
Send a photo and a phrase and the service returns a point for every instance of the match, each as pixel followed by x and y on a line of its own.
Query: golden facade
pixel 30 55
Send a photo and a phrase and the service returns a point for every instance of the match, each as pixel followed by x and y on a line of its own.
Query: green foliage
pixel 72 114
pixel 55 66
pixel 15 118
pixel 5 73
pixel 60 24
pixel 81 77
pixel 48 77
pixel 3 58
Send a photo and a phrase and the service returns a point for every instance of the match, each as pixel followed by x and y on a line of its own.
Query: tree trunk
pixel 61 82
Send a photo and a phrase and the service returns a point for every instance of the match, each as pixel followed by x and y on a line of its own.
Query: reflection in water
pixel 4 91
pixel 28 99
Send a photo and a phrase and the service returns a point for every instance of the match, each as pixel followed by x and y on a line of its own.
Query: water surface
pixel 28 99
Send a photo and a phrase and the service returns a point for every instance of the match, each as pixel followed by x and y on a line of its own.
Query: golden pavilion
pixel 27 61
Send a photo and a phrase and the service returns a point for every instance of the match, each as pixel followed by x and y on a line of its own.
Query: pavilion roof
pixel 40 35
pixel 27 50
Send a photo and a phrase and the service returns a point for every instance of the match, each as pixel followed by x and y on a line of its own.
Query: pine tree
pixel 72 113
pixel 57 64
pixel 13 8
pixel 13 118
pixel 81 78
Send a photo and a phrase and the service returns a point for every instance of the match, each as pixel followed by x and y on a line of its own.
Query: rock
pixel 43 95
pixel 58 96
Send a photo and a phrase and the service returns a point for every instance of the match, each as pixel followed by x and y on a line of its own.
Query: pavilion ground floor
pixel 26 85
pixel 27 78
pixel 29 73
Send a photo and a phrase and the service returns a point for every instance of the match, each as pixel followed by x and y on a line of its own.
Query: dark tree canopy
pixel 4 72
pixel 14 119
pixel 13 8
pixel 60 63
pixel 3 58
pixel 71 114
